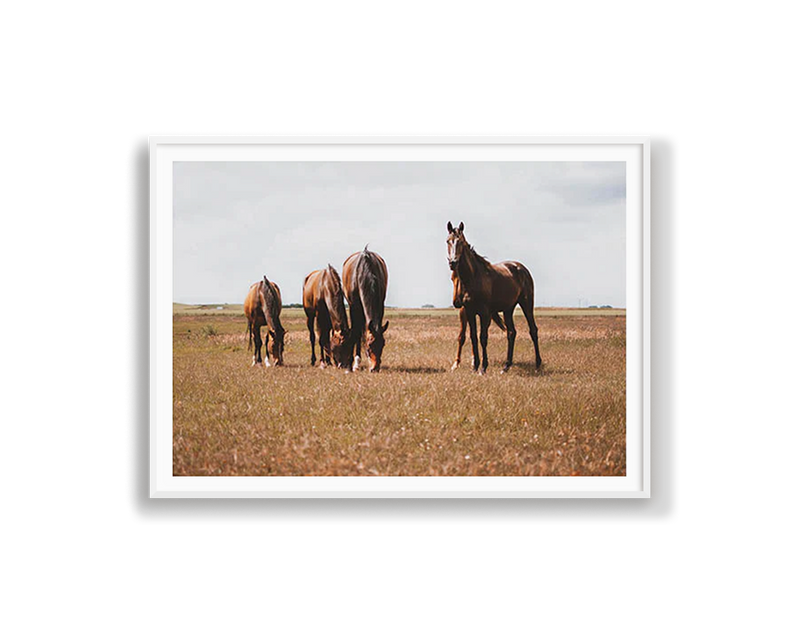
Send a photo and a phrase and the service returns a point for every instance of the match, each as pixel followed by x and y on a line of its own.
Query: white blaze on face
pixel 451 250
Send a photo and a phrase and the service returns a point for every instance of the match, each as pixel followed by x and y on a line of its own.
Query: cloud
pixel 237 221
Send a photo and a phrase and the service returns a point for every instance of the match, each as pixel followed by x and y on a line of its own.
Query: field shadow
pixel 528 369
pixel 426 370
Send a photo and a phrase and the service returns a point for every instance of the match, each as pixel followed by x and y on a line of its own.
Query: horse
pixel 323 300
pixel 262 306
pixel 365 279
pixel 483 289
pixel 463 320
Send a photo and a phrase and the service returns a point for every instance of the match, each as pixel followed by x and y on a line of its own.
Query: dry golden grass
pixel 416 417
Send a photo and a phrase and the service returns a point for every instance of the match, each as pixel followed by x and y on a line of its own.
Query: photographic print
pixel 448 322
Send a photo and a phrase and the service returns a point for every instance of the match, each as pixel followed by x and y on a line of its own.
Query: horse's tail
pixel 525 279
pixel 529 279
pixel 370 286
pixel 271 297
pixel 499 321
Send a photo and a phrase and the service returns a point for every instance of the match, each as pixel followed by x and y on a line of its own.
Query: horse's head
pixel 276 345
pixel 456 244
pixel 375 343
pixel 342 348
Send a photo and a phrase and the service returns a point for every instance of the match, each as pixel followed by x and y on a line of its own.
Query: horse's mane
pixel 336 303
pixel 481 260
pixel 336 281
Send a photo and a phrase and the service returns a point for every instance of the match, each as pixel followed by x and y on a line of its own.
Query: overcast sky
pixel 237 221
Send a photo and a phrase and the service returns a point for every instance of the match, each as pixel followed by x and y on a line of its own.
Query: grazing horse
pixel 483 289
pixel 323 299
pixel 365 279
pixel 262 306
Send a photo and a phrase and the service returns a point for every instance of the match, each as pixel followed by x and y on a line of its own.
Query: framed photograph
pixel 400 317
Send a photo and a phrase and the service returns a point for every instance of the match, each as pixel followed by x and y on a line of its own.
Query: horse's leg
pixel 473 336
pixel 486 318
pixel 266 348
pixel 324 330
pixel 256 332
pixel 324 347
pixel 462 337
pixel 310 325
pixel 357 359
pixel 357 320
pixel 511 334
pixel 527 308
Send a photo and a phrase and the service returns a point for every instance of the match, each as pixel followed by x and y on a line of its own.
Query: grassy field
pixel 416 417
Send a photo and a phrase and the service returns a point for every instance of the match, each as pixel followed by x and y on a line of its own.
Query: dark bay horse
pixel 323 300
pixel 464 320
pixel 262 306
pixel 365 280
pixel 483 289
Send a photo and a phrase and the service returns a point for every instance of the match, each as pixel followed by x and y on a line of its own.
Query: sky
pixel 235 222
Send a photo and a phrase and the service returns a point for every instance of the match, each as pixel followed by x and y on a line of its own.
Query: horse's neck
pixel 272 318
pixel 468 268
pixel 274 322
pixel 336 311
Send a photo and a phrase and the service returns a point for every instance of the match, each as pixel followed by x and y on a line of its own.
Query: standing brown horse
pixel 262 306
pixel 484 289
pixel 463 319
pixel 323 300
pixel 365 281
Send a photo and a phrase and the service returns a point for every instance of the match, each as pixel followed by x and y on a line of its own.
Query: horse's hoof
pixel 267 364
pixel 455 366
pixel 356 363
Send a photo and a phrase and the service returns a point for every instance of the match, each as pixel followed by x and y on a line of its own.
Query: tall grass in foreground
pixel 414 418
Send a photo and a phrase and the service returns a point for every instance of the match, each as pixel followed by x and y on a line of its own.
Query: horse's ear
pixel 385 327
pixel 449 227
pixel 461 227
